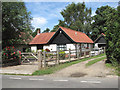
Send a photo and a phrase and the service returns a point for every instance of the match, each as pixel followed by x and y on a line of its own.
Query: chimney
pixel 38 31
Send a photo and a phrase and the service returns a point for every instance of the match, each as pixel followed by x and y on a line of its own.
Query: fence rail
pixel 56 57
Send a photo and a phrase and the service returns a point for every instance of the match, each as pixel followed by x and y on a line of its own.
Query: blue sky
pixel 46 14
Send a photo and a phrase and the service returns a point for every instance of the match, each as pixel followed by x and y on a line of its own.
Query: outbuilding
pixel 100 42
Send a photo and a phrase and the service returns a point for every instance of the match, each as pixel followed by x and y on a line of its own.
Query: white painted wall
pixel 96 45
pixel 34 48
pixel 70 46
pixel 52 47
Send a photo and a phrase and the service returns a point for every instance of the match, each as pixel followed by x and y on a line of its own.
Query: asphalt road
pixel 12 81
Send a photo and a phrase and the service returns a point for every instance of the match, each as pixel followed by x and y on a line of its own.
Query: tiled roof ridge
pixel 71 29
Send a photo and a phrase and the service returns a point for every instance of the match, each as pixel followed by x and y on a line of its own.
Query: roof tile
pixel 77 36
pixel 43 38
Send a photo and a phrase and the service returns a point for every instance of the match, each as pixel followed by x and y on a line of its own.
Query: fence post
pixel 57 61
pixel 44 54
pixel 84 53
pixel 69 55
pixel 80 51
pixel 77 53
pixel 90 54
pixel 39 59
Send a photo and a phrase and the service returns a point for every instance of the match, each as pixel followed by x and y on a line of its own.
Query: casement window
pixel 62 47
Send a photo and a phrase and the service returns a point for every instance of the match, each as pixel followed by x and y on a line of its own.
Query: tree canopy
pixel 47 30
pixel 76 17
pixel 100 20
pixel 113 37
pixel 15 19
pixel 35 32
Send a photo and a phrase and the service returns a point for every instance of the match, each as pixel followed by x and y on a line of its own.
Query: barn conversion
pixel 62 39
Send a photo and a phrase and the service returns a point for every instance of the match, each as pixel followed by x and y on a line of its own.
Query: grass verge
pixel 116 68
pixel 95 61
pixel 16 74
pixel 53 69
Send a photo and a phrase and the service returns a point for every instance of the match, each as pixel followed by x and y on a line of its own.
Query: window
pixel 61 47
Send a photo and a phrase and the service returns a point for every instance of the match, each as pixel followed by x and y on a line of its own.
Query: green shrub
pixel 9 53
pixel 62 54
pixel 28 50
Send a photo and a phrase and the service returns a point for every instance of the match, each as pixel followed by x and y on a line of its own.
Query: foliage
pixel 76 17
pixel 28 50
pixel 10 53
pixel 100 21
pixel 15 19
pixel 62 54
pixel 113 37
pixel 47 30
pixel 35 32
pixel 107 20
pixel 50 70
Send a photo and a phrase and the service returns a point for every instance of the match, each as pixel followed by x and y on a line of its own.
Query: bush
pixel 62 54
pixel 28 50
pixel 9 53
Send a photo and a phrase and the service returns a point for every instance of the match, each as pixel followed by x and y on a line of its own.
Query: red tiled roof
pixel 99 36
pixel 43 38
pixel 76 35
pixel 103 34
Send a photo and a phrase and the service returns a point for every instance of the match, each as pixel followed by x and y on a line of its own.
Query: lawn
pixel 53 69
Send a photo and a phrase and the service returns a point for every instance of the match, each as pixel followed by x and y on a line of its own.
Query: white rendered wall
pixel 34 48
pixel 52 47
pixel 96 45
pixel 70 46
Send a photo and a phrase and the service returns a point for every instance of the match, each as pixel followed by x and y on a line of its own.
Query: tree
pixel 61 23
pixel 113 37
pixel 47 30
pixel 100 20
pixel 76 17
pixel 15 19
pixel 35 32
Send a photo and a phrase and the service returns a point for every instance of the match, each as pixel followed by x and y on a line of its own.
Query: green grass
pixel 53 69
pixel 16 74
pixel 116 68
pixel 95 61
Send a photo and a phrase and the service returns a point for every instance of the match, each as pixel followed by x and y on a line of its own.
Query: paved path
pixel 80 70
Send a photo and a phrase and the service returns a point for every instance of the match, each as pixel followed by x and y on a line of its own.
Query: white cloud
pixel 39 22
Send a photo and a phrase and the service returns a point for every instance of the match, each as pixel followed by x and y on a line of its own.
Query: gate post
pixel 39 59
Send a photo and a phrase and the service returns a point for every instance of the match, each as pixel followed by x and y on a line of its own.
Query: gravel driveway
pixel 80 70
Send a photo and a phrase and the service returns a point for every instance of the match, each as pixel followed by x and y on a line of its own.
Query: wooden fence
pixel 60 56
pixel 56 57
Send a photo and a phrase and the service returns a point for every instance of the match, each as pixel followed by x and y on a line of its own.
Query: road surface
pixel 12 81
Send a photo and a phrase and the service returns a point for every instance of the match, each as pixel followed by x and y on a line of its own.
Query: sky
pixel 46 14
